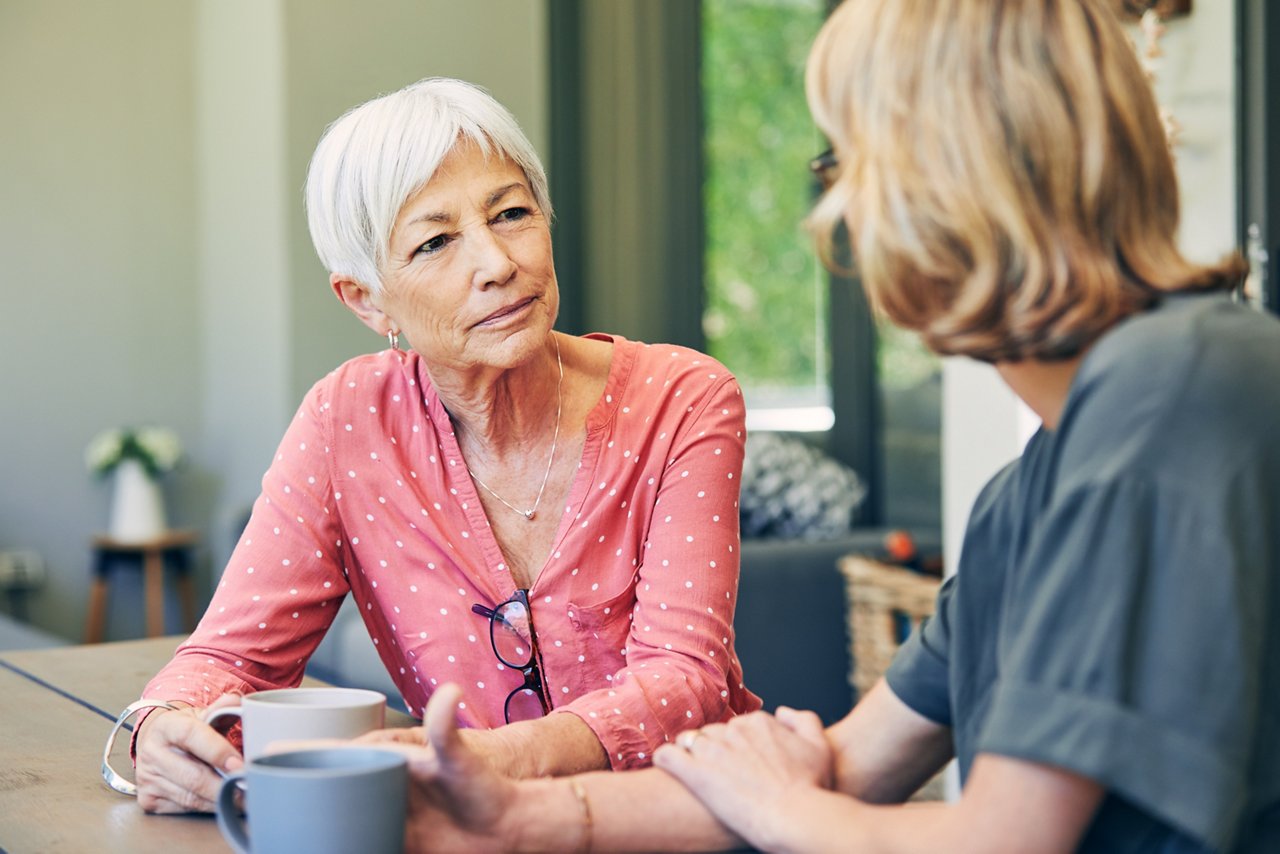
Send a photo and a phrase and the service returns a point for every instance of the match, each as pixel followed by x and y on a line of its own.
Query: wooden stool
pixel 174 546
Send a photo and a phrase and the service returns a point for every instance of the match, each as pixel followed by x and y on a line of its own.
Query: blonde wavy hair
pixel 1003 172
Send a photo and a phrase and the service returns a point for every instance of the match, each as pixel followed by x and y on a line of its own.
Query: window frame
pixel 1258 132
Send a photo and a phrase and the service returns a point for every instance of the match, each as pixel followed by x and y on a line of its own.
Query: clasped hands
pixel 743 771
pixel 746 770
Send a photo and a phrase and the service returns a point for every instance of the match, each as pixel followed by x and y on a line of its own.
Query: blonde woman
pixel 1105 665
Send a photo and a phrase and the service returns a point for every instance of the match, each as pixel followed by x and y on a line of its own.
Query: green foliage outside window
pixel 766 295
pixel 766 300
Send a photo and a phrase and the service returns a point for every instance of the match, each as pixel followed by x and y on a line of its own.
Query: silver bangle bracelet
pixel 111 776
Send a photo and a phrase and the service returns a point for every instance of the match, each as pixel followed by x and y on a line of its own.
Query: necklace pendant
pixel 551 458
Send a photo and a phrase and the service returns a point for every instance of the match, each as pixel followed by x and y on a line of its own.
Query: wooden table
pixel 56 709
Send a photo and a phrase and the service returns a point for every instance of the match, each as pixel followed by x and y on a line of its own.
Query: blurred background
pixel 157 269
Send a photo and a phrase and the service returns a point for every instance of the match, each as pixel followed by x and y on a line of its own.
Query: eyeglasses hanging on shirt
pixel 515 644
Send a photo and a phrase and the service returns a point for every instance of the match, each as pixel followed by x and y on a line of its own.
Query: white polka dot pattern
pixel 633 608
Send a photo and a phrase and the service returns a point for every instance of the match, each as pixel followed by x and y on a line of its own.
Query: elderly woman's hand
pixel 514 750
pixel 177 753
pixel 456 801
pixel 745 770
pixel 491 747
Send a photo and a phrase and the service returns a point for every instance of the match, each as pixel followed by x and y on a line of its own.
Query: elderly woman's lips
pixel 508 311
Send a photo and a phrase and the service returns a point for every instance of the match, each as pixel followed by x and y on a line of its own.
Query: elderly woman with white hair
pixel 494 470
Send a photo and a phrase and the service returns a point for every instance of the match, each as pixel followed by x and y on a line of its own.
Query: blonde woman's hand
pixel 745 771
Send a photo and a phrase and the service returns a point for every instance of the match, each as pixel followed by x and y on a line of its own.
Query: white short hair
pixel 372 159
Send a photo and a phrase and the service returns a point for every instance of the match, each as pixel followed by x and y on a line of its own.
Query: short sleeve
pixel 1130 652
pixel 918 674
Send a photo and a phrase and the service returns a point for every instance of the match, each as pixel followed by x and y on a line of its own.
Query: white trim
pixel 790 419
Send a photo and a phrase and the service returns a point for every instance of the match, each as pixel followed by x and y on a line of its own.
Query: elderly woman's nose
pixel 492 259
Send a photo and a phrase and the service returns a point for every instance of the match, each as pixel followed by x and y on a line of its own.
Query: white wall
pixel 243 263
pixel 1195 79
pixel 99 322
pixel 156 266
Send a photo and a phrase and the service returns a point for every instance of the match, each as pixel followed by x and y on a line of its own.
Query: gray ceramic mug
pixel 330 800
pixel 301 714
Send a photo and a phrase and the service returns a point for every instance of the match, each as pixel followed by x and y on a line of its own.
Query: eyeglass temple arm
pixel 491 614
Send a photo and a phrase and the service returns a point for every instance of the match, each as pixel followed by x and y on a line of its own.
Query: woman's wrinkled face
pixel 469 278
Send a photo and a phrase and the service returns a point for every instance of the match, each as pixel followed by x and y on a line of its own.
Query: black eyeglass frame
pixel 531 669
pixel 824 168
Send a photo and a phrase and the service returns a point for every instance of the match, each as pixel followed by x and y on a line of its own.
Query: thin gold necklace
pixel 533 511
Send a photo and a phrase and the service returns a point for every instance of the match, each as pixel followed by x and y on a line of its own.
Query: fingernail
pixel 235 763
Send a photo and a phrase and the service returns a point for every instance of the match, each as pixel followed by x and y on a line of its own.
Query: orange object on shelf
pixel 900 546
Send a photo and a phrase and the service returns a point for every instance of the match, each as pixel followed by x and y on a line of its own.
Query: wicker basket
pixel 885 602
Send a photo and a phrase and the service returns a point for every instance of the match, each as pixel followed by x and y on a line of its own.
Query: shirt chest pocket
pixel 601 627
pixel 592 615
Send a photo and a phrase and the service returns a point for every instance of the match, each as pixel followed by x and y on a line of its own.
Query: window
pixel 765 311
pixel 768 311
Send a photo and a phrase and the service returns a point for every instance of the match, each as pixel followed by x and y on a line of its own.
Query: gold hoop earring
pixel 393 339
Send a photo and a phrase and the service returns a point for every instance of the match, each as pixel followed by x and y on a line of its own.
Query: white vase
pixel 137 507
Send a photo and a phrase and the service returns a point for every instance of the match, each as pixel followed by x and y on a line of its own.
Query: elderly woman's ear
pixel 359 299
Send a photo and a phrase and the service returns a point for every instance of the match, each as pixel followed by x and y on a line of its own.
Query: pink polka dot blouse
pixel 368 494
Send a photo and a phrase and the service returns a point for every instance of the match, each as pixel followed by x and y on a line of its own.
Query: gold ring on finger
pixel 687 740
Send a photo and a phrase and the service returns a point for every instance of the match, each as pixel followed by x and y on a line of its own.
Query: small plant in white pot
pixel 135 459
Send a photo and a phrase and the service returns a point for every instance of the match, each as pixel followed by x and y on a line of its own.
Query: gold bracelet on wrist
pixel 587 825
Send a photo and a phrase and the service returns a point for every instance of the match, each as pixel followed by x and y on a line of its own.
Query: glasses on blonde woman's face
pixel 825 167
pixel 515 645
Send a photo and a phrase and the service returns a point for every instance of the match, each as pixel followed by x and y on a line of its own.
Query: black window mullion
pixel 564 164
pixel 855 390
pixel 1258 132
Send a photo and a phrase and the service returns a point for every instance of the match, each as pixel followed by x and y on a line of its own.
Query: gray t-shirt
pixel 1116 610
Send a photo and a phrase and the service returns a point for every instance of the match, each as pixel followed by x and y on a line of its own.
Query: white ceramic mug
pixel 322 801
pixel 299 714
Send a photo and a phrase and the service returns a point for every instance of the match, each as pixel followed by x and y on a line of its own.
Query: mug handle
pixel 228 711
pixel 230 821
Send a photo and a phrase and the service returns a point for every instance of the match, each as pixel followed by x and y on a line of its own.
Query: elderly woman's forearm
pixel 623 806
pixel 553 746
